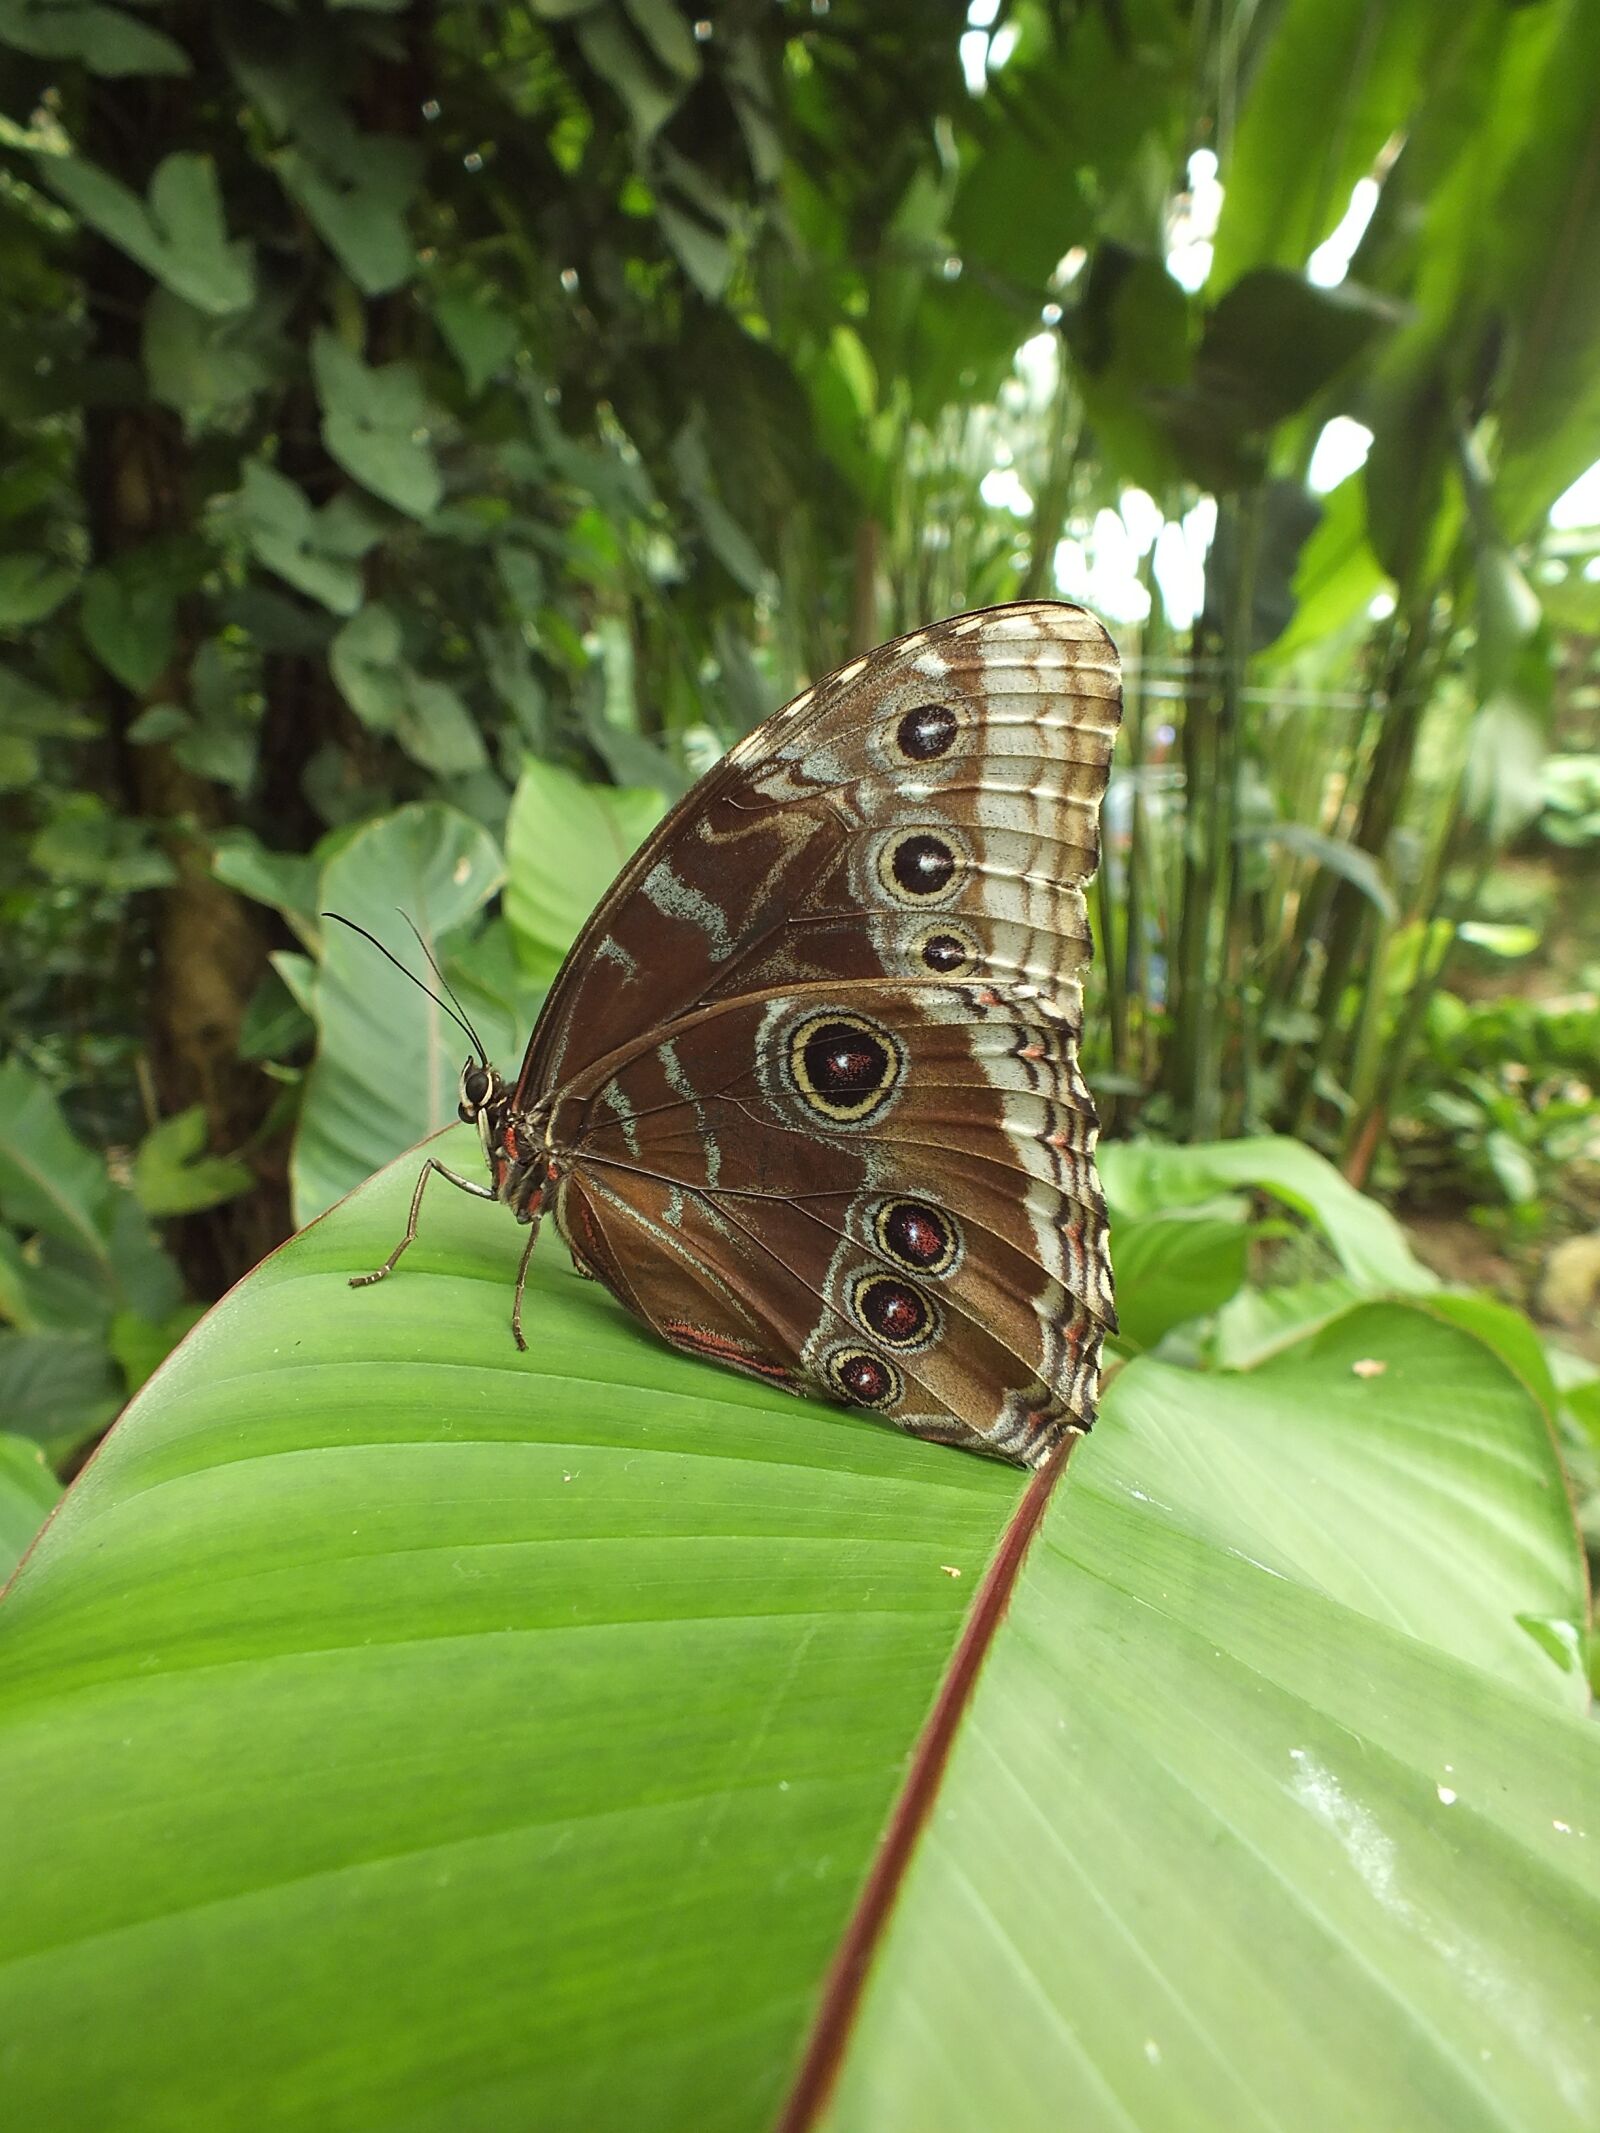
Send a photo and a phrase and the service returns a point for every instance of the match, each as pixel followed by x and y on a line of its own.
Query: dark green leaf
pixel 31 587
pixel 482 338
pixel 57 1389
pixel 177 233
pixel 107 40
pixel 356 188
pixel 375 423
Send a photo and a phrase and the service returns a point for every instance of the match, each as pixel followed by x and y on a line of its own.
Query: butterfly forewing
pixel 811 1071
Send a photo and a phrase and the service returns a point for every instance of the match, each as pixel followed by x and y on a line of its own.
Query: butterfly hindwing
pixel 812 1067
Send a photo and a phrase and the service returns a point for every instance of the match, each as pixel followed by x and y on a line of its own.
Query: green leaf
pixel 1337 854
pixel 1171 1268
pixel 388 1061
pixel 1288 179
pixel 649 91
pixel 173 1174
pixel 1256 1323
pixel 141 1345
pixel 177 233
pixel 105 39
pixel 1337 575
pixel 1143 1177
pixel 565 843
pixel 19 762
pixel 26 708
pixel 427 717
pixel 286 881
pixel 314 551
pixel 366 663
pixel 129 616
pixel 32 587
pixel 48 1287
pixel 668 36
pixel 436 729
pixel 29 1492
pixel 84 842
pixel 1217 1773
pixel 482 338
pixel 57 1389
pixel 600 1672
pixel 705 254
pixel 1535 259
pixel 375 425
pixel 1275 341
pixel 356 188
pixel 206 369
pixel 48 1180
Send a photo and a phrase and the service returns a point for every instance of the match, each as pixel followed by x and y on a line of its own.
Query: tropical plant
pixel 594 1738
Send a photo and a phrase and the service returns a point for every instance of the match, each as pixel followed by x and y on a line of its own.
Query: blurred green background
pixel 434 432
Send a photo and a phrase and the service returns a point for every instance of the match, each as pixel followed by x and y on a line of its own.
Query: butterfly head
pixel 484 1103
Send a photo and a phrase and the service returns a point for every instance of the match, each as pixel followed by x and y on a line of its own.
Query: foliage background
pixel 435 431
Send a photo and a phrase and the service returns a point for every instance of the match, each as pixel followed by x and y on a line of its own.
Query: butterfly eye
pixel 474 1092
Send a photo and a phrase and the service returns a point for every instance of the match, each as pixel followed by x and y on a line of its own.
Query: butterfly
pixel 805 1094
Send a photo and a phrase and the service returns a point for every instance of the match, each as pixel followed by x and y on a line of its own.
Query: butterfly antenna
pixel 472 1036
pixel 445 982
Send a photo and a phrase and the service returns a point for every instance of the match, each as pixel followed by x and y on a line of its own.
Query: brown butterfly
pixel 805 1094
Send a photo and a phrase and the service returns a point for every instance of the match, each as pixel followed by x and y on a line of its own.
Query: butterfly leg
pixel 522 1276
pixel 481 1192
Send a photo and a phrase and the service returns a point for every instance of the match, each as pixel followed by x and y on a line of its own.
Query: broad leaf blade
pixel 388 1063
pixel 1215 1848
pixel 496 1740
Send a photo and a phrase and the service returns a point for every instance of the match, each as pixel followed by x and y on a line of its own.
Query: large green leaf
pixel 1289 177
pixel 388 1062
pixel 1541 246
pixel 565 843
pixel 1238 1833
pixel 506 1740
pixel 1146 1177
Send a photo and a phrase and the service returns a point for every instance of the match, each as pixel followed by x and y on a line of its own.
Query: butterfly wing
pixel 813 1065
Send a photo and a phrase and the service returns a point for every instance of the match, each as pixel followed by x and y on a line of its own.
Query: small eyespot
pixel 899 1314
pixel 926 732
pixel 863 1379
pixel 919 866
pixel 914 1235
pixel 950 951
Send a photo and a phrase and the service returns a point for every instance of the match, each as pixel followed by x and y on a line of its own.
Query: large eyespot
pixel 926 732
pixel 914 1235
pixel 948 950
pixel 843 1067
pixel 864 1379
pixel 897 1313
pixel 474 1091
pixel 920 866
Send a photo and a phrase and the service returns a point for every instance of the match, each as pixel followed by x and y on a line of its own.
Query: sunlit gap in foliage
pixel 1340 450
pixel 1330 262
pixel 983 54
pixel 1192 223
